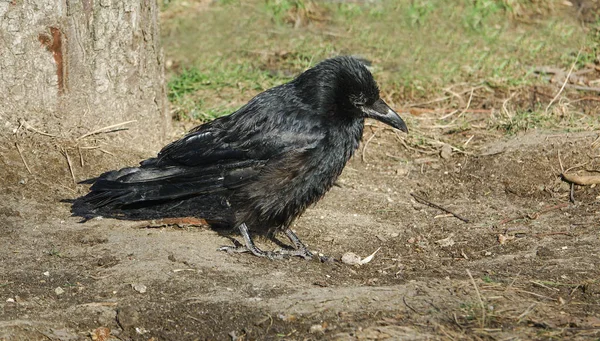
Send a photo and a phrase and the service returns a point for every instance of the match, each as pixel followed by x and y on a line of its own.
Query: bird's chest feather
pixel 327 161
pixel 289 184
pixel 320 167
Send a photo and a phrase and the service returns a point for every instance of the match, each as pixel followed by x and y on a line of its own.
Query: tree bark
pixel 70 67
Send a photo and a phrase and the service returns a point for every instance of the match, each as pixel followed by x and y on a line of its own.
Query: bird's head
pixel 345 86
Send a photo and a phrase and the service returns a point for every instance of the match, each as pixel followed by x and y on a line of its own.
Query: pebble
pixel 139 288
pixel 351 258
pixel 316 328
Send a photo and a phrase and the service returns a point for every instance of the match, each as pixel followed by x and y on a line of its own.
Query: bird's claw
pixel 304 253
pixel 233 249
pixel 272 255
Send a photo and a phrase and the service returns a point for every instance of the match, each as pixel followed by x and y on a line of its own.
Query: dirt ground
pixel 532 255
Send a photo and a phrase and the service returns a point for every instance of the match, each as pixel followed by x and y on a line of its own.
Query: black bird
pixel 259 168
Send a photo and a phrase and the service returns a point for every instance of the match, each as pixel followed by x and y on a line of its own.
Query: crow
pixel 258 168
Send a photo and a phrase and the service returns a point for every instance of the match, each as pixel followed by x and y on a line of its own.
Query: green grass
pixel 207 93
pixel 556 118
pixel 226 52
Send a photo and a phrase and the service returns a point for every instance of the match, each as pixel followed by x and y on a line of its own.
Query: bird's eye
pixel 359 101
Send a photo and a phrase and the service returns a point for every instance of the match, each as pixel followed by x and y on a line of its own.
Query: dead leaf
pixel 446 241
pixel 354 259
pixel 100 334
pixel 503 239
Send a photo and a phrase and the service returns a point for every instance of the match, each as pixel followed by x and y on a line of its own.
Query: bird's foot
pixel 272 255
pixel 302 252
pixel 306 254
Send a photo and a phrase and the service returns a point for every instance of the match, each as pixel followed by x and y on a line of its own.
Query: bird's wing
pixel 224 154
pixel 239 145
pixel 253 135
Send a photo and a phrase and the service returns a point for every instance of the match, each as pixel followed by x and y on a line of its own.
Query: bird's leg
pixel 250 247
pixel 301 249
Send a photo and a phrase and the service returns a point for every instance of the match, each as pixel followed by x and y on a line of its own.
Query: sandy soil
pixel 532 255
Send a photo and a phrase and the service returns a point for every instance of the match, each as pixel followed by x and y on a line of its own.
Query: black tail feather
pixel 151 192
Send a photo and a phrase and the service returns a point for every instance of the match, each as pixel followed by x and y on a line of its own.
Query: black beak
pixel 383 113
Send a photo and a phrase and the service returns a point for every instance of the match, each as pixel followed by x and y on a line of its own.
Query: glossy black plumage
pixel 260 166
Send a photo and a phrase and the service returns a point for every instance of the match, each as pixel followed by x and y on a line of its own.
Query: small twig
pixel 448 112
pixel 456 321
pixel 439 99
pixel 19 127
pixel 534 294
pixel 562 169
pixel 447 115
pixel 106 152
pixel 479 298
pixel 458 96
pixel 101 130
pixel 418 198
pixel 401 140
pixel 587 98
pixel 576 166
pixel 513 281
pixel 98 304
pixel 364 150
pixel 468 104
pixel 64 151
pixel 573 291
pixel 80 156
pixel 28 127
pixel 22 158
pixel 582 88
pixel 543 285
pixel 469 140
pixel 595 141
pixel 409 307
pixel 564 83
pixel 534 215
pixel 505 108
pixel 572 193
pixel 526 312
pixel 552 234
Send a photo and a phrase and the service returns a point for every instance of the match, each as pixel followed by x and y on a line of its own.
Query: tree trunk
pixel 71 67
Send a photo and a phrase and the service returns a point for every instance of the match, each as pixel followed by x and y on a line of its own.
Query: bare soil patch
pixel 533 255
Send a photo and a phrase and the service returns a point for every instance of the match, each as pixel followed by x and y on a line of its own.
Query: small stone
pixel 351 258
pixel 446 152
pixel 286 318
pixel 402 171
pixel 316 328
pixel 128 318
pixel 59 291
pixel 47 273
pixel 10 300
pixel 141 330
pixel 139 288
